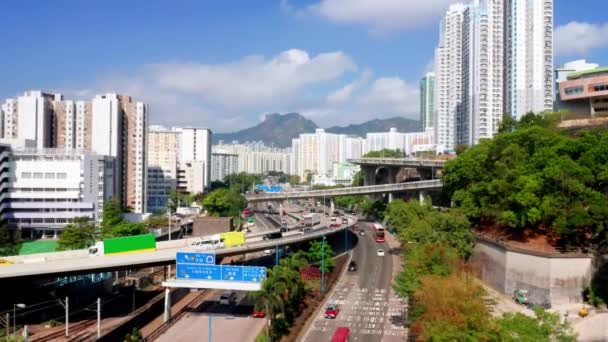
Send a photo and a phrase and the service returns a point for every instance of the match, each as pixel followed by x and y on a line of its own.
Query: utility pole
pixel 8 325
pixel 67 316
pixel 209 335
pixel 98 318
pixel 323 267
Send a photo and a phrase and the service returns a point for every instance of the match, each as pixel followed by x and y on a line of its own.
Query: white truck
pixel 311 219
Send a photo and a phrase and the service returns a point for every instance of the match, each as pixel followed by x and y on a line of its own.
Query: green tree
pixel 178 199
pixel 293 179
pixel 317 253
pixel 308 176
pixel 374 209
pixel 134 336
pixel 242 182
pixel 424 259
pixel 451 309
pixel 79 234
pixel 385 153
pixel 156 221
pixel 281 294
pixel 535 176
pixel 545 327
pixel 10 242
pixel 111 216
pixel 358 179
pixel 126 228
pixel 224 202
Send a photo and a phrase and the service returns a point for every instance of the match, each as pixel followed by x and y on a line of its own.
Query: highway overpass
pixel 79 262
pixel 400 162
pixel 434 184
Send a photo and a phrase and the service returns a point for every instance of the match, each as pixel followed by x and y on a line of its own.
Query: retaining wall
pixel 552 278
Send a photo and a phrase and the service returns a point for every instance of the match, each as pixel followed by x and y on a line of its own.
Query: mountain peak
pixel 278 129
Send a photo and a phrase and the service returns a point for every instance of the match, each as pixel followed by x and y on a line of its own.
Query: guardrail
pixel 162 256
pixel 411 162
pixel 358 190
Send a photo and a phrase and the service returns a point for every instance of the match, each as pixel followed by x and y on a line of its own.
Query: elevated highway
pixel 434 184
pixel 79 262
pixel 400 162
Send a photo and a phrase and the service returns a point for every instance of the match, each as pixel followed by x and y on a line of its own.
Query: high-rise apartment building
pixel 162 166
pixel 350 147
pixel 448 82
pixel 223 164
pixel 257 158
pixel 109 125
pixel 427 100
pixel 119 129
pixel 482 71
pixel 528 56
pixel 315 153
pixel 194 159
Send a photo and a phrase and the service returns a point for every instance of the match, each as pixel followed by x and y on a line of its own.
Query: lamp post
pixel 15 306
pixel 323 267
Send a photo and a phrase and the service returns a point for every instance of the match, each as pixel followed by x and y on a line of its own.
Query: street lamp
pixel 15 306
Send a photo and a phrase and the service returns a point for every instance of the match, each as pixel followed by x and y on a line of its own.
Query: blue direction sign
pixel 195 258
pixel 232 273
pixel 193 271
pixel 254 274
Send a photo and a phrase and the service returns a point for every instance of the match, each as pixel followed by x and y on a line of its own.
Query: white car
pixel 380 252
pixel 268 251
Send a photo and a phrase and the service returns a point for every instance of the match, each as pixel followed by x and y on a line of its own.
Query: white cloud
pixel 384 97
pixel 215 95
pixel 252 80
pixel 235 95
pixel 344 94
pixel 382 15
pixel 577 38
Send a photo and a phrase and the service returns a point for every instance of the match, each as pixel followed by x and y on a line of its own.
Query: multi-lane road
pixel 368 305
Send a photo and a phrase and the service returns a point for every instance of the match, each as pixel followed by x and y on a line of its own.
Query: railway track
pixel 194 303
pixel 75 330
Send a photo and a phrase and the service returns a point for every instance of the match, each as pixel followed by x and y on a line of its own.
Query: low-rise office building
pixel 46 189
pixel 585 93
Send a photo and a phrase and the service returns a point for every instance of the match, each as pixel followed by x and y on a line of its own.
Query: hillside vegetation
pixel 534 176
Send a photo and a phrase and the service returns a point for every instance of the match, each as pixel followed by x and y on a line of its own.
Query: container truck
pixel 311 219
pixel 125 244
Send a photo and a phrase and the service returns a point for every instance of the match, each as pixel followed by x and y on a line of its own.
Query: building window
pixel 49 175
pixel 37 175
pixel 62 175
pixel 26 175
pixel 573 90
pixel 600 87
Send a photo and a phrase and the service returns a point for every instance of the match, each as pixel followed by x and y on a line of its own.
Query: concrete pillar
pixel 369 175
pixel 392 175
pixel 332 206
pixel 390 197
pixel 281 209
pixel 54 234
pixel 421 195
pixel 167 315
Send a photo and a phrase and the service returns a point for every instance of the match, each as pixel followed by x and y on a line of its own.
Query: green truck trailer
pixel 123 245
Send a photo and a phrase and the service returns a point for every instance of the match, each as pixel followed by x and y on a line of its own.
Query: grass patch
pixel 38 246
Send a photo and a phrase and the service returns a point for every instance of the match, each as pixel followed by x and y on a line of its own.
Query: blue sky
pixel 223 64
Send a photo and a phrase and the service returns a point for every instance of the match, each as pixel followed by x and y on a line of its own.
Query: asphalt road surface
pixel 368 305
pixel 229 323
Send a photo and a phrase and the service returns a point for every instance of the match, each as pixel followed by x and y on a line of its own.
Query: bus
pixel 379 233
pixel 341 334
